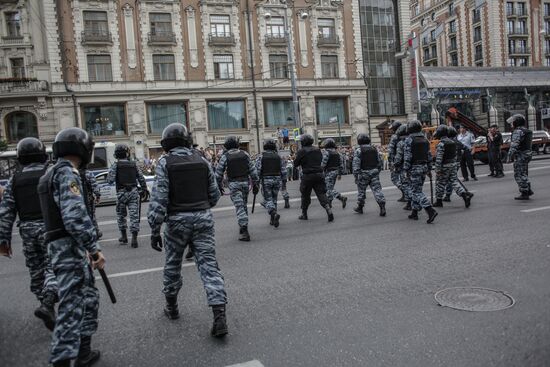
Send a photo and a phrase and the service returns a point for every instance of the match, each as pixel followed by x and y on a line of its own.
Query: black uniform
pixel 493 151
pixel 309 158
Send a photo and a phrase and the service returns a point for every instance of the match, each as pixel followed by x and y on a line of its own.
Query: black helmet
pixel 270 144
pixel 122 151
pixel 31 150
pixel 307 140
pixel 441 131
pixel 175 135
pixel 74 141
pixel 395 125
pixel 517 120
pixel 414 126
pixel 231 142
pixel 363 139
pixel 329 143
pixel 402 130
pixel 451 132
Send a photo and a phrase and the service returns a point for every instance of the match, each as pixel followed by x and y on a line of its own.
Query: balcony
pixel 519 51
pixel 96 38
pixel 477 18
pixel 275 39
pixel 478 56
pixel 13 85
pixel 518 33
pixel 428 58
pixel 162 38
pixel 453 48
pixel 12 40
pixel 221 39
pixel 328 41
pixel 452 30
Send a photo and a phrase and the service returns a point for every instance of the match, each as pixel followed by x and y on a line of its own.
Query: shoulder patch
pixel 75 189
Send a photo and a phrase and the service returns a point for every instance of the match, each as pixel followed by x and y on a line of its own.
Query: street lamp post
pixel 291 65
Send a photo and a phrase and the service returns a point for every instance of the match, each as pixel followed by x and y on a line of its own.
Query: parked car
pixel 108 191
pixel 541 142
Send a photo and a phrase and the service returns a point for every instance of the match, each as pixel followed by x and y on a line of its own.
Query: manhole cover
pixel 474 299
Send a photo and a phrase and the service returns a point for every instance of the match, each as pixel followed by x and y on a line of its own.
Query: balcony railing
pixel 22 86
pixel 97 38
pixel 477 38
pixel 519 51
pixel 478 56
pixel 453 48
pixel 430 57
pixel 221 39
pixel 452 30
pixel 328 41
pixel 162 38
pixel 518 32
pixel 275 39
pixel 12 40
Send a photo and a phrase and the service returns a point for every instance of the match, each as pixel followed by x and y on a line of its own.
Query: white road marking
pixel 143 271
pixel 535 209
pixel 253 363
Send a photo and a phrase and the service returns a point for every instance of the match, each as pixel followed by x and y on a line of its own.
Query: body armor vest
pixel 126 173
pixel 333 162
pixel 271 164
pixel 449 153
pixel 53 221
pixel 369 157
pixel 237 165
pixel 311 162
pixel 419 149
pixel 25 193
pixel 527 141
pixel 188 183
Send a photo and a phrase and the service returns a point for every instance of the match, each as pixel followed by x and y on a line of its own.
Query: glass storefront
pixel 331 111
pixel 163 114
pixel 226 115
pixel 104 120
pixel 21 125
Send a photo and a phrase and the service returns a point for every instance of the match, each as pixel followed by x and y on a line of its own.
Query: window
pixel 547 9
pixel 329 66
pixel 511 27
pixel 99 68
pixel 547 27
pixel 426 54
pixel 451 9
pixel 509 8
pixel 331 111
pixel 477 34
pixel 479 53
pixel 326 28
pixel 454 59
pixel 278 66
pixel 17 67
pixel 164 67
pixel 278 112
pixel 163 114
pixel 547 46
pixel 452 26
pixel 102 120
pixel 547 60
pixel 95 22
pixel 453 46
pixel 434 52
pixel 521 61
pixel 522 10
pixel 223 67
pixel 20 125
pixel 226 115
pixel 522 46
pixel 100 161
pixel 161 23
pixel 13 24
pixel 220 25
pixel 476 15
pixel 522 27
pixel 276 27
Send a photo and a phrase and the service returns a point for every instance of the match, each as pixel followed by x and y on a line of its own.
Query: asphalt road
pixel 355 292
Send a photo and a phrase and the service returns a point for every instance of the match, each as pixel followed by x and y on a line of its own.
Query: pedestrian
pixel 417 164
pixel 92 194
pixel 126 175
pixel 520 151
pixel 392 146
pixel 467 160
pixel 21 200
pixel 184 191
pixel 272 170
pixel 445 168
pixel 286 139
pixel 494 143
pixel 402 177
pixel 73 249
pixel 333 167
pixel 309 159
pixel 280 137
pixel 240 169
pixel 367 165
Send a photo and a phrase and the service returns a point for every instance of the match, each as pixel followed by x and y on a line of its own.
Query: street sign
pixel 296 134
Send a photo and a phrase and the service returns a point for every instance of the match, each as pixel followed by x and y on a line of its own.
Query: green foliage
pixel 3 145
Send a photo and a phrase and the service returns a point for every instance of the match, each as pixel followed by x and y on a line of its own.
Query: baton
pixel 253 202
pixel 106 282
pixel 461 184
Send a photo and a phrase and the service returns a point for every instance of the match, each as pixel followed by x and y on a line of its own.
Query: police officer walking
pixel 520 151
pixel 92 195
pixel 240 168
pixel 184 191
pixel 452 134
pixel 367 165
pixel 417 164
pixel 445 168
pixel 392 151
pixel 272 170
pixel 333 166
pixel 126 175
pixel 21 199
pixel 310 158
pixel 404 181
pixel 72 241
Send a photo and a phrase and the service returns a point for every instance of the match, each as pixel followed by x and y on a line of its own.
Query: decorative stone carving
pixel 192 36
pixel 130 37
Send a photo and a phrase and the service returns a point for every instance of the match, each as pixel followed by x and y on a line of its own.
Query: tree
pixel 3 145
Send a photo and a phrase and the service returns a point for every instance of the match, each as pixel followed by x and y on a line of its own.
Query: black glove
pixel 255 189
pixel 156 242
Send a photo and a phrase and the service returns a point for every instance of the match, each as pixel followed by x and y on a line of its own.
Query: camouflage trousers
pixel 197 230
pixel 404 184
pixel 447 176
pixel 521 172
pixel 370 178
pixel 270 192
pixel 238 192
pixel 417 176
pixel 36 258
pixel 128 202
pixel 78 298
pixel 395 177
pixel 330 182
pixel 449 188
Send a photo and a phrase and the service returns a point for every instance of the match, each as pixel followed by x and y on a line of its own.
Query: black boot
pixel 276 218
pixel 431 214
pixel 382 209
pixel 86 356
pixel 358 209
pixel 189 255
pixel 134 240
pixel 414 214
pixel 408 206
pixel 402 198
pixel 287 203
pixel 171 309
pixel 530 193
pixel 499 175
pixel 467 196
pixel 63 363
pixel 447 198
pixel 439 203
pixel 243 234
pixel 123 240
pixel 344 201
pixel 271 218
pixel 46 310
pixel 523 196
pixel 219 327
pixel 304 215
pixel 330 216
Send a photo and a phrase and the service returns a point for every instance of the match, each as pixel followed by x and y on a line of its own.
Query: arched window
pixel 19 125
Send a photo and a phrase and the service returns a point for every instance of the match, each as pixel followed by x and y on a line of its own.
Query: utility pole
pixel 253 75
pixel 291 65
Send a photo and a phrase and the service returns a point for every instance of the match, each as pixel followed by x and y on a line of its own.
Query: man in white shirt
pixel 467 161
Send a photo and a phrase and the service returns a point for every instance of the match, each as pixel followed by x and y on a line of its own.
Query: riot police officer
pixel 452 134
pixel 310 158
pixel 184 191
pixel 367 165
pixel 520 150
pixel 392 151
pixel 92 194
pixel 72 240
pixel 240 168
pixel 333 165
pixel 272 170
pixel 21 199
pixel 126 175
